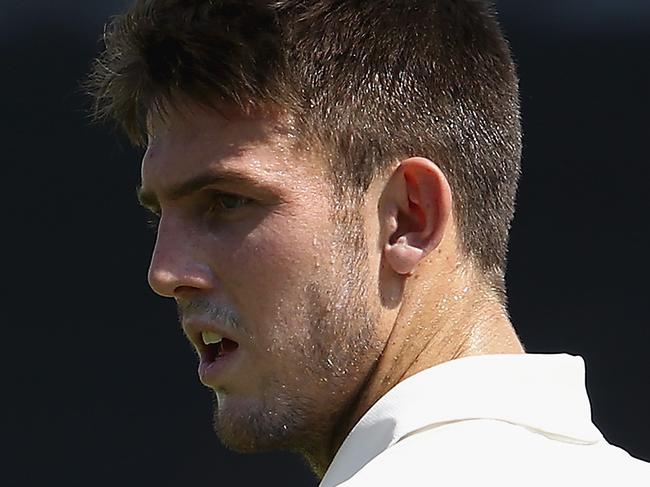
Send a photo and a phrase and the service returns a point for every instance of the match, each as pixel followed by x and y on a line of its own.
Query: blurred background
pixel 101 387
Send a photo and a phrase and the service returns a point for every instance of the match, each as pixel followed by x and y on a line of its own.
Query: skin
pixel 329 312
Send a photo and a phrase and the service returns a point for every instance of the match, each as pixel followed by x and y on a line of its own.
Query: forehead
pixel 188 141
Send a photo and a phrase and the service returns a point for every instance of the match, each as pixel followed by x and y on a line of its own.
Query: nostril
pixel 184 291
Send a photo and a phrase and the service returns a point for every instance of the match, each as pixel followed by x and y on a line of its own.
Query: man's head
pixel 305 158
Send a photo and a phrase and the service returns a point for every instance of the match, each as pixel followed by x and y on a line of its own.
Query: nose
pixel 176 266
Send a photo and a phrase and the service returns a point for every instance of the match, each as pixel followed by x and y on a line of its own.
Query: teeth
pixel 210 337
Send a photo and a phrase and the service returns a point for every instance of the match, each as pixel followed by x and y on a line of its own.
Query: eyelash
pixel 218 197
pixel 153 219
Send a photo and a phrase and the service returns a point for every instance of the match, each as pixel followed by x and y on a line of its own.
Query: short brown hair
pixel 369 81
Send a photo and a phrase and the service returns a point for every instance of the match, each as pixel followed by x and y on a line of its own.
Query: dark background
pixel 101 388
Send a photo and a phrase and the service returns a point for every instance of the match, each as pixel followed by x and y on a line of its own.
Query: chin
pixel 247 427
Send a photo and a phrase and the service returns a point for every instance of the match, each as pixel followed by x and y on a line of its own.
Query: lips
pixel 218 354
pixel 219 364
pixel 215 346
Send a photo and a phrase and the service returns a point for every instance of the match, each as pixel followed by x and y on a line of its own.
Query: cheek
pixel 268 269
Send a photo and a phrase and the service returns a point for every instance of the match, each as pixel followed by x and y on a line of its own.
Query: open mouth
pixel 216 346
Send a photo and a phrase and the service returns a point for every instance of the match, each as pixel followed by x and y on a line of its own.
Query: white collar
pixel 542 392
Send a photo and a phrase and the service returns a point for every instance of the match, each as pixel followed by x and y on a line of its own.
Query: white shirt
pixel 491 420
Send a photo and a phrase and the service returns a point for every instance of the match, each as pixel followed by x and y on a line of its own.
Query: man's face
pixel 249 249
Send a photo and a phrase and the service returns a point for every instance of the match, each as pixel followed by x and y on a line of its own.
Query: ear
pixel 415 211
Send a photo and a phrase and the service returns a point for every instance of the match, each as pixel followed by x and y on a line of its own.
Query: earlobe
pixel 417 207
pixel 402 257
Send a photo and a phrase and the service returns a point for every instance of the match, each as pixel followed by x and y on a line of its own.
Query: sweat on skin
pixel 330 313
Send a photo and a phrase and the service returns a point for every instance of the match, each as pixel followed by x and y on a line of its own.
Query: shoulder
pixel 488 452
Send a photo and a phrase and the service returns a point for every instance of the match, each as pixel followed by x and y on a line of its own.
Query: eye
pixel 226 202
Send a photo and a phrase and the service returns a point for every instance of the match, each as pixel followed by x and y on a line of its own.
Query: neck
pixel 461 320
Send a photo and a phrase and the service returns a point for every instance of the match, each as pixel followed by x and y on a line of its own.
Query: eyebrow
pixel 149 199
